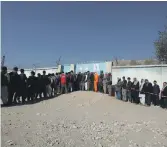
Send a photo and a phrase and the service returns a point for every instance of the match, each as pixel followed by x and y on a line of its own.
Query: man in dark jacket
pixel 164 96
pixel 44 82
pixel 32 86
pixel 57 83
pixel 14 86
pixel 48 86
pixel 124 83
pixel 67 81
pixel 75 82
pixel 83 82
pixel 23 85
pixel 155 96
pixel 4 85
pixel 128 88
pixel 39 86
pixel 135 91
pixel 100 83
pixel 71 82
pixel 78 81
pixel 91 81
pixel 110 86
pixel 53 84
pixel 147 89
pixel 88 80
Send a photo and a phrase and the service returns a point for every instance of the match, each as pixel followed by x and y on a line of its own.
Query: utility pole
pixel 58 62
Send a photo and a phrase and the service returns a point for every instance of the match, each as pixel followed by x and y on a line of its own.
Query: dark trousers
pixel 135 97
pixel 148 99
pixel 77 86
pixel 91 86
pixel 155 100
pixel 56 89
pixel 13 94
pixel 23 93
pixel 53 89
pixel 128 96
pixel 100 87
pixel 63 88
pixel 31 93
pixel 39 92
pixel 163 102
pixel 43 91
pixel 80 85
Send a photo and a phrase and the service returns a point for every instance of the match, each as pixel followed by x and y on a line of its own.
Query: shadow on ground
pixel 30 102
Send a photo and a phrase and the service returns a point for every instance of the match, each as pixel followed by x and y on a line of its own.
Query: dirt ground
pixel 83 119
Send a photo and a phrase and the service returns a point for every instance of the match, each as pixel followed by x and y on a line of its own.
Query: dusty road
pixel 84 119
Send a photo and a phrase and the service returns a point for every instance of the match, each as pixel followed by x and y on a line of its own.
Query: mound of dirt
pixel 84 119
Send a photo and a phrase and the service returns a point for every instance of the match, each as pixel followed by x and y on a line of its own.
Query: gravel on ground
pixel 83 119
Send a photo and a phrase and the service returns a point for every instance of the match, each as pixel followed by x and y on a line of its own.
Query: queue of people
pixel 143 92
pixel 18 88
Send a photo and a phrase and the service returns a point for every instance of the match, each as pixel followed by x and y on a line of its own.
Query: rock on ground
pixel 84 119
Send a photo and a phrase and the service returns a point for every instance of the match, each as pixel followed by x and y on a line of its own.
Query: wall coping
pixel 43 68
pixel 93 62
pixel 140 66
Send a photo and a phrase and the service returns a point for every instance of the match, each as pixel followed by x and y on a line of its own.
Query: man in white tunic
pixel 141 94
pixel 86 81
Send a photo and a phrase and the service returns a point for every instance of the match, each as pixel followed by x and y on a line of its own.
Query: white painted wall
pixel 150 72
pixel 48 70
pixel 40 70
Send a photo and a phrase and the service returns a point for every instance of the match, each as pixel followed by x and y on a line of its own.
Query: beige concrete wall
pixel 72 67
pixel 108 66
pixel 150 72
pixel 59 68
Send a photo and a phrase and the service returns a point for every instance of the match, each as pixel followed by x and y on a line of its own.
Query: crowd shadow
pixel 38 100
